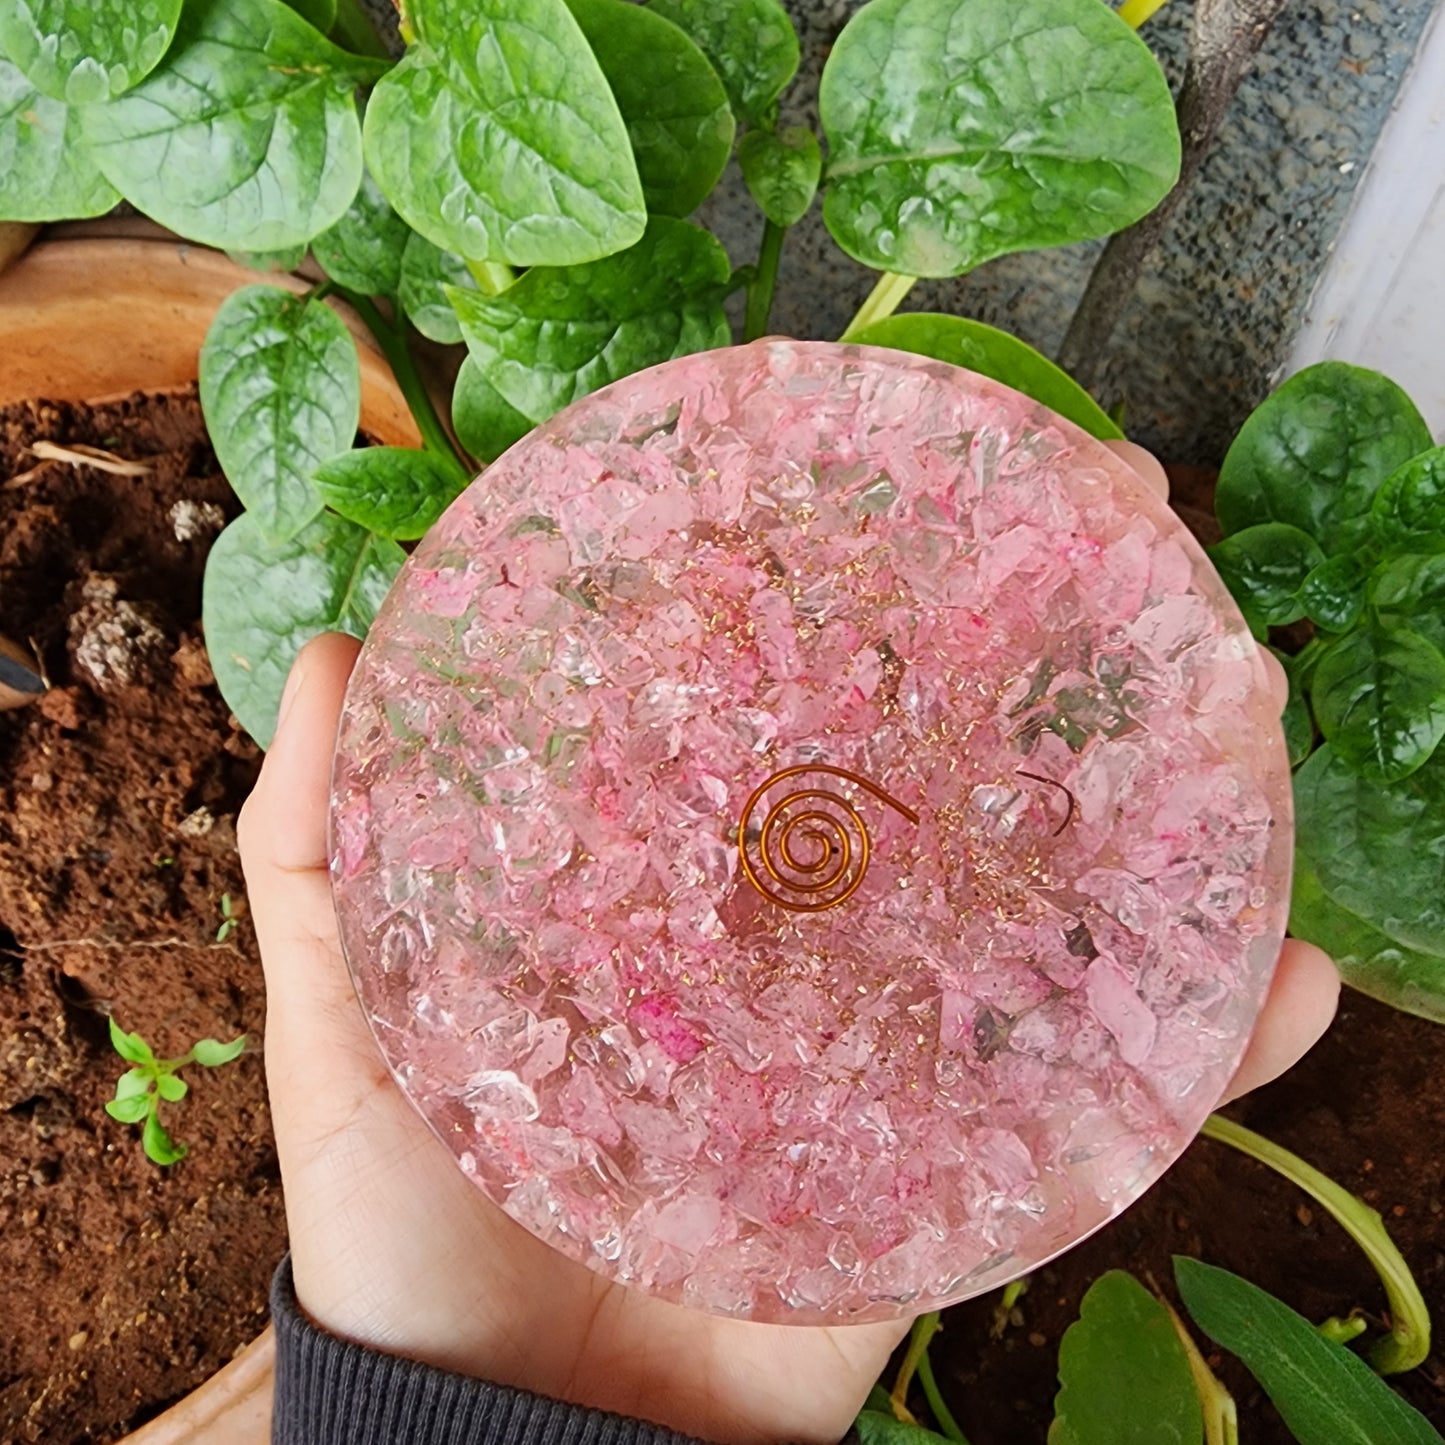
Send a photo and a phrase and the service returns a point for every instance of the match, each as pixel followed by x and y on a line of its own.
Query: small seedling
pixel 140 1091
pixel 229 921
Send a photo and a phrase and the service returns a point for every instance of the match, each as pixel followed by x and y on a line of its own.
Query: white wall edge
pixel 1380 301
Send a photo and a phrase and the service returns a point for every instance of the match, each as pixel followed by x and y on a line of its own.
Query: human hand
pixel 394 1248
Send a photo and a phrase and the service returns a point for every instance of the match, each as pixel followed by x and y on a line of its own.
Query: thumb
pixel 311 1009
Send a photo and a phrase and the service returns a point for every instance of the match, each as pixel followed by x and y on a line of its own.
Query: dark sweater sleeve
pixel 332 1392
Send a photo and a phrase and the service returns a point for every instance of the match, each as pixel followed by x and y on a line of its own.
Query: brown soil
pixel 126 1284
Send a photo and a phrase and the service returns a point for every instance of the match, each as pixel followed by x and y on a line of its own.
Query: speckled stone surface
pixel 811 833
pixel 1219 304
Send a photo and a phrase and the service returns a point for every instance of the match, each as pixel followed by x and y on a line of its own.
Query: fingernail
pixel 290 692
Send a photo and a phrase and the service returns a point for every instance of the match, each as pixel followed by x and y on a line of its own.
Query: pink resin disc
pixel 811 833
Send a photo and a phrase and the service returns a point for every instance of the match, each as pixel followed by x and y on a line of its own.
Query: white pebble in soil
pixel 190 520
pixel 114 641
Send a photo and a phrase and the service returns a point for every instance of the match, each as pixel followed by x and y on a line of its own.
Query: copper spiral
pixel 813 847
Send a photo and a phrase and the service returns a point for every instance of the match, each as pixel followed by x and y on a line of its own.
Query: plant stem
pixel 354 31
pixel 764 282
pixel 1136 12
pixel 392 340
pixel 1221 1415
pixel 883 300
pixel 924 1329
pixel 942 1415
pixel 492 277
pixel 1408 1342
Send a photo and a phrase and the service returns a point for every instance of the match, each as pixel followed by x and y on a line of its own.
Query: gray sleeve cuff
pixel 332 1392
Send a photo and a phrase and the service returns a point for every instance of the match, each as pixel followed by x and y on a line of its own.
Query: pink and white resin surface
pixel 810 833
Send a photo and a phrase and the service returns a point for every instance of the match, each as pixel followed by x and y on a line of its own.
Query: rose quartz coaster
pixel 810 833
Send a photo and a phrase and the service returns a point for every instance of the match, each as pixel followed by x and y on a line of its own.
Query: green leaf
pixel 283 261
pixel 1333 595
pixel 1124 1376
pixel 159 1146
pixel 882 1427
pixel 130 1046
pixel 171 1088
pixel 1379 698
pixel 82 51
pixel 1410 592
pixel 498 138
pixel 672 102
pixel 1299 728
pixel 993 353
pixel 426 274
pixel 1314 453
pixel 281 393
pixel 262 601
pixel 318 13
pixel 211 1053
pixel 131 1109
pixel 782 170
pixel 1404 978
pixel 1409 509
pixel 1326 1394
pixel 558 334
pixel 1264 568
pixel 46 172
pixel 1379 849
pixel 134 1083
pixel 751 43
pixel 961 132
pixel 396 492
pixel 486 422
pixel 363 250
pixel 245 136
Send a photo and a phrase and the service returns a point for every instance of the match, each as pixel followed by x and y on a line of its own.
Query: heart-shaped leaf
pixel 1124 1376
pixel 82 51
pixel 281 393
pixel 1378 848
pixel 396 492
pixel 1264 568
pixel 212 1053
pixel 159 1146
pixel 1410 592
pixel 1333 595
pixel 1315 452
pixel 957 133
pixel 363 250
pixel 751 44
pixel 245 136
pixel 1326 1394
pixel 427 272
pixel 995 353
pixel 129 1110
pixel 558 334
pixel 171 1088
pixel 131 1047
pixel 262 601
pixel 672 102
pixel 485 421
pixel 1409 509
pixel 1379 698
pixel 497 137
pixel 782 170
pixel 1404 978
pixel 46 172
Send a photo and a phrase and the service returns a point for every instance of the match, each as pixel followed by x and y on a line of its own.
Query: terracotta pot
pixel 92 319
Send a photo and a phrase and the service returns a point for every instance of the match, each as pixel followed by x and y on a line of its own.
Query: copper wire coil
pixel 839 847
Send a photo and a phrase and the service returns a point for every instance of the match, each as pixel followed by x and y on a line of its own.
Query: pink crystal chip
pixel 1013 865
